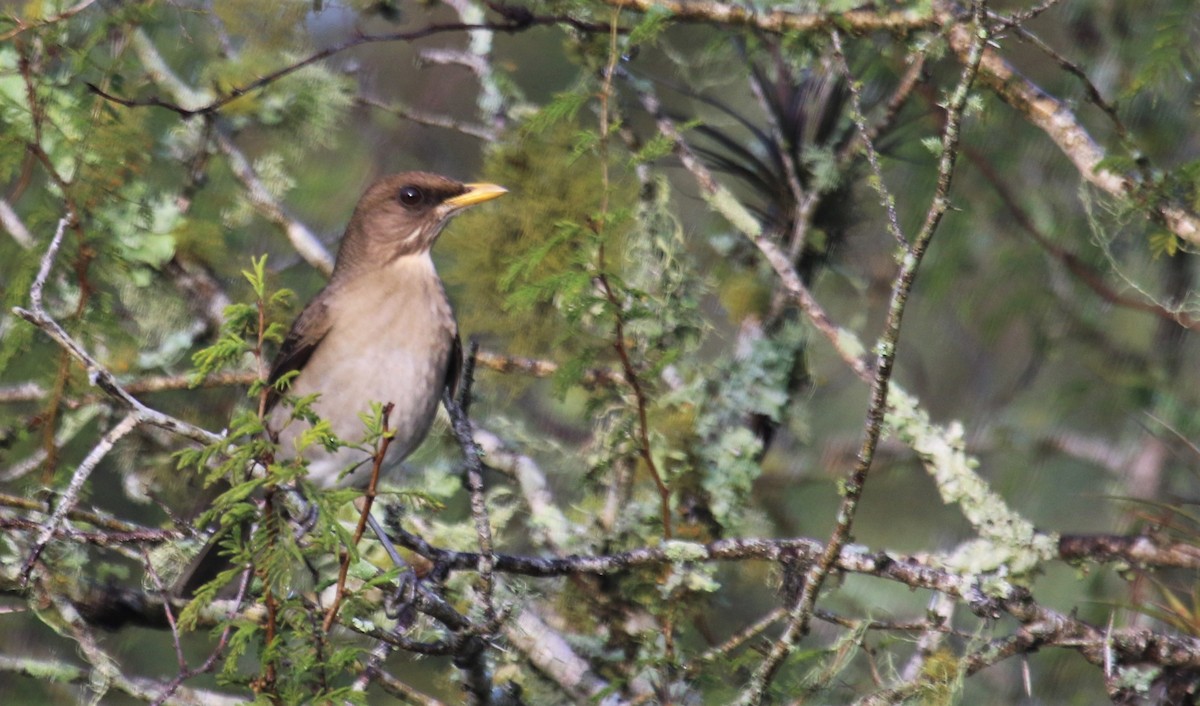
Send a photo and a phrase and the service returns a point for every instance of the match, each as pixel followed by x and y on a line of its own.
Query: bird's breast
pixel 390 342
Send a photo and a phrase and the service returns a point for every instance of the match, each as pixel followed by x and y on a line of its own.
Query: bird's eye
pixel 411 197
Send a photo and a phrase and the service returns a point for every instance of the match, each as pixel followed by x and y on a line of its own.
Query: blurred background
pixel 1053 320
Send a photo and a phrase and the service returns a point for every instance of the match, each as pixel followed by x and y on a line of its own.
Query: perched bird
pixel 382 330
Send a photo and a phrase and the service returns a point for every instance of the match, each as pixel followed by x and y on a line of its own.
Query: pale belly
pixel 381 349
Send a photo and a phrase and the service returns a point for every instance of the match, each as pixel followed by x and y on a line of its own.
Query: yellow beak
pixel 476 193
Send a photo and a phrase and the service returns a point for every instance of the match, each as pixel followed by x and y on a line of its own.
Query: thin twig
pixel 368 501
pixel 70 496
pixel 461 427
pixel 868 142
pixel 639 396
pixel 800 613
pixel 520 20
pixel 23 26
pixel 97 373
pixel 210 662
pixel 912 76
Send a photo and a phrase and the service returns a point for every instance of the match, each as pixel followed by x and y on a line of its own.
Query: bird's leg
pixel 386 541
pixel 401 604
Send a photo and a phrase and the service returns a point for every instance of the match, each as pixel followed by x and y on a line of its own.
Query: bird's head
pixel 403 214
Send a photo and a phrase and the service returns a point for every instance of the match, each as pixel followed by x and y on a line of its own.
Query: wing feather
pixel 307 332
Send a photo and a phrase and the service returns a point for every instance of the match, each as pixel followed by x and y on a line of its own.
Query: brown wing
pixel 308 330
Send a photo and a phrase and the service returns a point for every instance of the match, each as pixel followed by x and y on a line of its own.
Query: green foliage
pixel 532 249
pixel 562 110
pixel 677 350
pixel 255 516
pixel 1164 243
pixel 1172 46
pixel 240 333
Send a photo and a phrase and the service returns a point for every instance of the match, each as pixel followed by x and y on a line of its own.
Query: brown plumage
pixel 382 331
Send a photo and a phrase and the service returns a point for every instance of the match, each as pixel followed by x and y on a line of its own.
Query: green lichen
pixel 1008 543
pixel 677 550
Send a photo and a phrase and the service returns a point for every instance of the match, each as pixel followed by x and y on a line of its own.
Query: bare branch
pixel 1062 126
pixel 97 373
pixel 70 496
pixel 800 614
pixel 12 223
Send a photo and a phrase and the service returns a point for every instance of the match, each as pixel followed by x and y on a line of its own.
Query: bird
pixel 382 330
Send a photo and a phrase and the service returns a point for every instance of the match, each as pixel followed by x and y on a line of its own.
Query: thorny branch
pixel 460 424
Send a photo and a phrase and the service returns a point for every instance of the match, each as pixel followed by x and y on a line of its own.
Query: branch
pixel 1138 550
pixel 516 19
pixel 460 425
pixel 779 21
pixel 1062 126
pixel 97 373
pixel 1044 111
pixel 639 396
pixel 71 495
pixel 23 26
pixel 801 612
